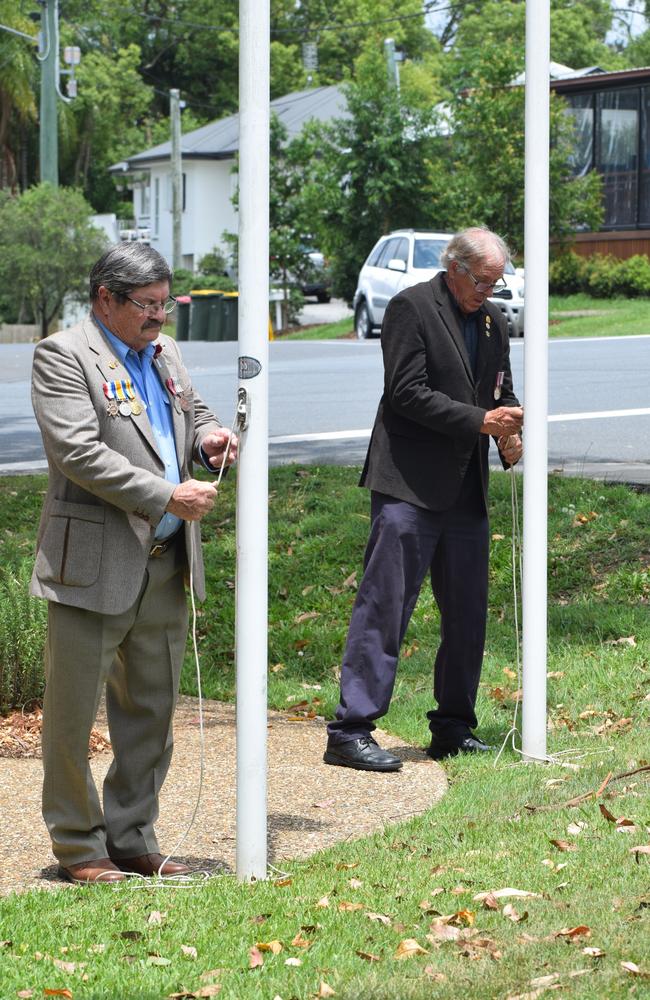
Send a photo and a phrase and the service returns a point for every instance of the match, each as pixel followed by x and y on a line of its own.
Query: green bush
pixel 567 273
pixel 23 626
pixel 635 275
pixel 599 275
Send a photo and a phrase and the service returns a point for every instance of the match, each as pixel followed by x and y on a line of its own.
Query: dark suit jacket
pixel 429 417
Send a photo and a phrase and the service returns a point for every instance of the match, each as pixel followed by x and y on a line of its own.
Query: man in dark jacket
pixel 447 389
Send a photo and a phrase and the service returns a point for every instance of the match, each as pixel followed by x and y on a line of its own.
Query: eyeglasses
pixel 153 307
pixel 486 286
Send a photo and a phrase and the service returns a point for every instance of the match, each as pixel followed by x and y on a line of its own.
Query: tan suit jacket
pixel 107 489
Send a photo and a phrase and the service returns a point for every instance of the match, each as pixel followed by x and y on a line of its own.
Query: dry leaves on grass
pixel 409 948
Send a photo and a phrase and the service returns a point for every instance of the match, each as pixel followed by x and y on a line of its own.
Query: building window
pixel 617 143
pixel 644 168
pixel 581 110
pixel 145 200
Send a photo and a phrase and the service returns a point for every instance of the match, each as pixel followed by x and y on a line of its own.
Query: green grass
pixel 321 331
pixel 607 317
pixel 494 828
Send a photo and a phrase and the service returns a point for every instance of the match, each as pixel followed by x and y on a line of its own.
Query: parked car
pixel 316 278
pixel 404 258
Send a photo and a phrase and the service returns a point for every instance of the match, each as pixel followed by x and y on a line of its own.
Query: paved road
pixel 323 397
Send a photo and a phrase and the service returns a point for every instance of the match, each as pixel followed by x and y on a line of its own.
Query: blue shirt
pixel 149 388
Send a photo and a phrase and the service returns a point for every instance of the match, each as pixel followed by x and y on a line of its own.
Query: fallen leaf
pixel 575 828
pixel 189 951
pixel 437 977
pixel 346 906
pixel 211 974
pixel 208 991
pixel 131 935
pixel 355 883
pixel 25 994
pixel 273 946
pixel 408 948
pixel 156 917
pixel 325 991
pixel 490 902
pixel 631 967
pixel 325 804
pixel 306 616
pixel 158 960
pixel 443 932
pixel 281 882
pixel 323 902
pixel 572 932
pixel 465 918
pixel 503 893
pixel 368 956
pixel 555 674
pixel 346 865
pixel 643 849
pixel 564 845
pixel 64 966
pixel 381 917
pixel 292 961
pixel 300 942
pixel 625 640
pixel 545 980
pixel 59 993
pixel 593 952
pixel 510 912
pixel 255 958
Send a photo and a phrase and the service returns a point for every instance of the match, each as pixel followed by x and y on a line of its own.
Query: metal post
pixel 177 176
pixel 391 63
pixel 536 244
pixel 252 475
pixel 49 58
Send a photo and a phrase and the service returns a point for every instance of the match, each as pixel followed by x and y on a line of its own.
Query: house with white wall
pixel 208 157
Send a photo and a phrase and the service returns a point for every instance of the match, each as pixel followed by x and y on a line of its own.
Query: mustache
pixel 152 325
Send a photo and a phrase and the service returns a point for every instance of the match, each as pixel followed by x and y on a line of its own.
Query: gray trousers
pixel 406 545
pixel 138 656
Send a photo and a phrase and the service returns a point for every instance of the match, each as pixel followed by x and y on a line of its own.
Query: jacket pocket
pixel 70 552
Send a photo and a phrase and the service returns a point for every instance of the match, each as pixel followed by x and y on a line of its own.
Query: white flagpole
pixel 252 474
pixel 536 245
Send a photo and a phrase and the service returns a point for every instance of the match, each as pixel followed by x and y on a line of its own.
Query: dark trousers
pixel 407 542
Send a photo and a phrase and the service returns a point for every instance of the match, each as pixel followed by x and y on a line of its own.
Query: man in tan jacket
pixel 119 531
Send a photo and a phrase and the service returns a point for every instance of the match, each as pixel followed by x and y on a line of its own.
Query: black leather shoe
pixel 364 755
pixel 469 744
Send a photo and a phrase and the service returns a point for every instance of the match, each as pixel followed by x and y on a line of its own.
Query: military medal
pixel 136 408
pixel 112 364
pixel 125 409
pixel 488 320
pixel 111 407
pixel 498 384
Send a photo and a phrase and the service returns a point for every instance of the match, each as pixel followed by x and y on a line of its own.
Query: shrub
pixel 634 276
pixel 23 626
pixel 567 273
pixel 603 273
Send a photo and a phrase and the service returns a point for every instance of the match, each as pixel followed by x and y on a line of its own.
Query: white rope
pixel 557 757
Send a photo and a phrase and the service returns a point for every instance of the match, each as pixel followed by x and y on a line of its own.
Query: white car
pixel 404 258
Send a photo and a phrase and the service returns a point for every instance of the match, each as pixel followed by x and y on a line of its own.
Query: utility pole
pixel 49 59
pixel 177 176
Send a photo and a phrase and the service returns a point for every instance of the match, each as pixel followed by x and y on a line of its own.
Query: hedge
pixel 599 275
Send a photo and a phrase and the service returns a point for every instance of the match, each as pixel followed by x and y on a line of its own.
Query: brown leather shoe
pixel 95 871
pixel 149 864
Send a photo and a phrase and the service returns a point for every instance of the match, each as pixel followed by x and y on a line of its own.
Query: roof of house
pixel 219 140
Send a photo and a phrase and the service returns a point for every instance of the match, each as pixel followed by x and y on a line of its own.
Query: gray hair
pixel 127 266
pixel 473 244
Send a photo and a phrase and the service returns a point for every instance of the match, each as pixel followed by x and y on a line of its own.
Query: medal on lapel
pixel 109 392
pixel 488 321
pixel 497 385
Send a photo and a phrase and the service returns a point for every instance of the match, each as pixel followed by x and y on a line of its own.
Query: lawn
pixel 401 915
pixel 569 316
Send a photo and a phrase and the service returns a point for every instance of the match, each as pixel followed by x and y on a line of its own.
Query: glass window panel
pixel 644 192
pixel 426 253
pixel 581 111
pixel 616 154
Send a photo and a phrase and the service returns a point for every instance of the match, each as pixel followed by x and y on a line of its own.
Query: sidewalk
pixel 310 805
